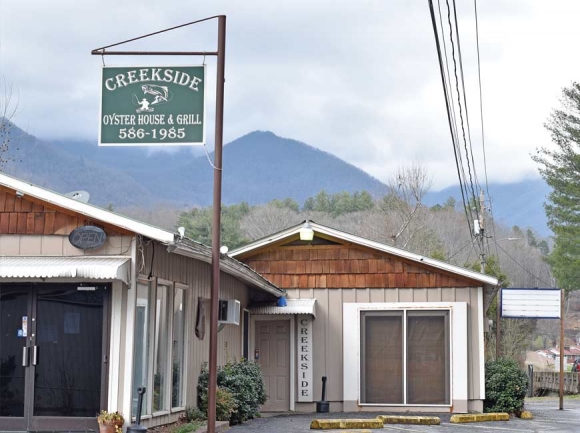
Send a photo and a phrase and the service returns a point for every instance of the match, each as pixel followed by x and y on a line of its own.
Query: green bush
pixel 244 380
pixel 193 414
pixel 505 386
pixel 225 404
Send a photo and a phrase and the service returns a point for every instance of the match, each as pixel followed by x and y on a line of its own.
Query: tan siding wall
pixel 197 275
pixel 58 245
pixel 328 328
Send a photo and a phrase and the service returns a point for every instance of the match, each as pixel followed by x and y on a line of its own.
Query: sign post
pixel 152 102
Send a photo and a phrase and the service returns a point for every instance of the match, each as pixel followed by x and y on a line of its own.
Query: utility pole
pixel 482 228
pixel 481 224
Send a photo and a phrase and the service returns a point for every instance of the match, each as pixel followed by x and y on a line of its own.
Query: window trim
pixel 458 351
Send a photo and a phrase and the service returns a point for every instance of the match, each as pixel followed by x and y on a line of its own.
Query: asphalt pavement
pixel 547 418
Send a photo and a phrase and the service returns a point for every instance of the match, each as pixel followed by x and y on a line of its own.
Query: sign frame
pixel 138 129
pixel 548 294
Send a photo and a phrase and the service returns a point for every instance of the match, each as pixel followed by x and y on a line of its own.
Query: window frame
pixel 405 322
pixel 153 286
pixel 462 368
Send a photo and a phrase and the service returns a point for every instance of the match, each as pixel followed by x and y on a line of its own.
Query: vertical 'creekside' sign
pixel 152 106
pixel 304 355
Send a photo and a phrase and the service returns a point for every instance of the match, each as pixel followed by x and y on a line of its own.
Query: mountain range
pixel 257 168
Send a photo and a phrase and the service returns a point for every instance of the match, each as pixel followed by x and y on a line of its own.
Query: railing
pixel 550 381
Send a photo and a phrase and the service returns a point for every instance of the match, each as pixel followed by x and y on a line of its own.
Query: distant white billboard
pixel 530 303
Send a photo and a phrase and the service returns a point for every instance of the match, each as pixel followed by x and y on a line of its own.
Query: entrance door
pixel 273 355
pixel 57 332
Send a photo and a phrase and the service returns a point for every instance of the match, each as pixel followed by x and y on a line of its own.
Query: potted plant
pixel 110 422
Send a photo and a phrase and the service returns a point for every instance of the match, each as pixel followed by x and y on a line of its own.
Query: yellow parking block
pixel 417 420
pixel 526 414
pixel 480 417
pixel 327 424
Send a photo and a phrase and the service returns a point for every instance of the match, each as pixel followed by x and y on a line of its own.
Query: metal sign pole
pixel 215 240
pixel 216 228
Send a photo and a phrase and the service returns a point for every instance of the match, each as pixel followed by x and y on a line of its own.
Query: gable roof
pixel 172 240
pixel 486 280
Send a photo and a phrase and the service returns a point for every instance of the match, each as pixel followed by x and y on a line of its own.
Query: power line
pixel 460 57
pixel 522 266
pixel 459 99
pixel 447 105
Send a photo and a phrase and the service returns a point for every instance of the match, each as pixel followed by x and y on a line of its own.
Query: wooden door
pixel 273 354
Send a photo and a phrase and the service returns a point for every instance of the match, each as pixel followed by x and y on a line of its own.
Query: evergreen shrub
pixel 244 381
pixel 506 386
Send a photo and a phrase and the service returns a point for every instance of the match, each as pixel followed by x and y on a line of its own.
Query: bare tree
pixel 403 203
pixel 8 109
pixel 268 219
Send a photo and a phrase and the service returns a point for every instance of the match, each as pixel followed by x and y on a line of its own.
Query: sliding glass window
pixel 405 357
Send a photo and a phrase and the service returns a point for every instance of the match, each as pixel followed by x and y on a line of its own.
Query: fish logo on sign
pixel 159 95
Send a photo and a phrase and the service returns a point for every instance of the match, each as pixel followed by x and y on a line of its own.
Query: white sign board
pixel 304 355
pixel 530 303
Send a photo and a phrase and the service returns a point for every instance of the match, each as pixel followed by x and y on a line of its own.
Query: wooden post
pixel 562 349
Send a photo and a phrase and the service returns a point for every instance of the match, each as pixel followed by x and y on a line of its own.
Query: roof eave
pixel 229 265
pixel 86 209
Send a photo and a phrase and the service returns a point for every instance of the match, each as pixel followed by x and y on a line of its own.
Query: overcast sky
pixel 359 79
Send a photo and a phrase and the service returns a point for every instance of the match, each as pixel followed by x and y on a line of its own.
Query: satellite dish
pixel 81 196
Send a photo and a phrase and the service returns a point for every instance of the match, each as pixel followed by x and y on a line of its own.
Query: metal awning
pixel 90 267
pixel 294 306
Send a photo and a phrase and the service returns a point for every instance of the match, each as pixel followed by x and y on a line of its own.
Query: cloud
pixel 357 79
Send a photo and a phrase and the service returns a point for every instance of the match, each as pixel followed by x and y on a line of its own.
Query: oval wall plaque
pixel 87 237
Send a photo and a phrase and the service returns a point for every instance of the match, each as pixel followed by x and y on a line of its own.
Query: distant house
pixel 390 329
pixel 571 354
pixel 94 305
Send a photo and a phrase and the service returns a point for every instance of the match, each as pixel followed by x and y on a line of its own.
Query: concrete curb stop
pixel 327 424
pixel 416 420
pixel 526 414
pixel 480 417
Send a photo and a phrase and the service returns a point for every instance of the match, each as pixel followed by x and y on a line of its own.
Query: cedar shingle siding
pixel 346 266
pixel 21 216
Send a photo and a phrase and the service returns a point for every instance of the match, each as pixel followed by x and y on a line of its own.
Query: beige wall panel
pixel 406 295
pixel 30 245
pixel 334 347
pixel 52 245
pixel 377 295
pixel 319 343
pixel 448 294
pixel 420 295
pixel 9 245
pixel 391 295
pixel 363 295
pixel 348 295
pixel 434 295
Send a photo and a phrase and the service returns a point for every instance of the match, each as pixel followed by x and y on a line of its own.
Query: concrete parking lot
pixel 547 418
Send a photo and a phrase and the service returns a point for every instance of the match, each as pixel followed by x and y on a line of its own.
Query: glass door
pixel 15 306
pixel 53 346
pixel 67 356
